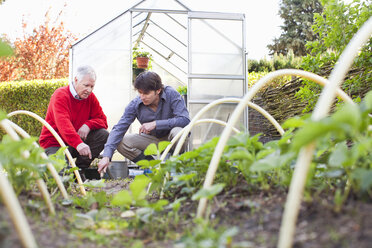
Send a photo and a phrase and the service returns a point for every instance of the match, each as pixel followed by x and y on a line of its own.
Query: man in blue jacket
pixel 161 111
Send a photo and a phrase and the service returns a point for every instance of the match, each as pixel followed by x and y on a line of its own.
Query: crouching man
pixel 76 115
pixel 160 110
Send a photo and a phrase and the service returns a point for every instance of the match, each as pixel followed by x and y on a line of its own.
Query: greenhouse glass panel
pixel 222 52
pixel 212 89
pixel 107 50
pixel 217 68
pixel 204 132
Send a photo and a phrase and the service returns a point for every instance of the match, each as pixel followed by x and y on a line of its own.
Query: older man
pixel 160 110
pixel 76 115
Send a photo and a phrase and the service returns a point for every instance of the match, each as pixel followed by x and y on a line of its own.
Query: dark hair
pixel 148 81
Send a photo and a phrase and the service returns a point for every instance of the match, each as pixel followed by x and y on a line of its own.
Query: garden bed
pixel 256 214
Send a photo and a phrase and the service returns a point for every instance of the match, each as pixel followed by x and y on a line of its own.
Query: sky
pixel 84 16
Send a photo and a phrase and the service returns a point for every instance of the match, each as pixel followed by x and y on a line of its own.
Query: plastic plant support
pixel 321 110
pixel 237 112
pixel 58 138
pixel 16 213
pixel 195 121
pixel 50 167
pixel 217 102
pixel 174 140
pixel 40 182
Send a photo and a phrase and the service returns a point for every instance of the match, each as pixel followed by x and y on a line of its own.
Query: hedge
pixel 28 95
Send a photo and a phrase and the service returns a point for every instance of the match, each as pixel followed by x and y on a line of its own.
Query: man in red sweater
pixel 76 115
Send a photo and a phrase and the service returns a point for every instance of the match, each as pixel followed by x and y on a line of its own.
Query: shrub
pixel 279 61
pixel 44 54
pixel 28 95
pixel 335 27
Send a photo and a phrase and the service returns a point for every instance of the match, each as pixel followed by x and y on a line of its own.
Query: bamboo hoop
pixel 174 140
pixel 58 138
pixel 292 206
pixel 237 112
pixel 16 213
pixel 217 102
pixel 51 168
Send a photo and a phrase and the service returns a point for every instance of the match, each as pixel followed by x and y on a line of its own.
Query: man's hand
pixel 83 131
pixel 147 127
pixel 84 150
pixel 103 164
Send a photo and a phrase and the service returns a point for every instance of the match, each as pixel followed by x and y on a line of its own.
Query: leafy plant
pixel 182 90
pixel 28 95
pixel 22 171
pixel 42 55
pixel 205 235
pixel 140 52
pixel 335 27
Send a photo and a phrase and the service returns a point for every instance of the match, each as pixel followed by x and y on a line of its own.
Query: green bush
pixel 277 62
pixel 335 27
pixel 28 95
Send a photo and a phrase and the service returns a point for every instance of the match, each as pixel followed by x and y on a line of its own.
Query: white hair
pixel 85 70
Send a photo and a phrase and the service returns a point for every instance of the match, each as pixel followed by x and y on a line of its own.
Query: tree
pixel 298 19
pixel 335 27
pixel 41 55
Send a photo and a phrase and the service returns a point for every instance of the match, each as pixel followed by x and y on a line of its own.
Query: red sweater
pixel 67 114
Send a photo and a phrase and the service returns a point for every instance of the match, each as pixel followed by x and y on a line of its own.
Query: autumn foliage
pixel 44 54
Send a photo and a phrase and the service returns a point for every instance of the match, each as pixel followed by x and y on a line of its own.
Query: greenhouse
pixel 204 51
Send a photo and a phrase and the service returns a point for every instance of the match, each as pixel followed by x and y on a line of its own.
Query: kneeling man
pixel 76 115
pixel 160 110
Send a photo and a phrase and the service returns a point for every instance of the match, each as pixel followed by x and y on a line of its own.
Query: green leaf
pixel 143 163
pixel 122 199
pixel 367 102
pixel 293 122
pixel 238 140
pixel 159 205
pixel 310 133
pixel 272 161
pixel 364 177
pixel 334 173
pixel 208 193
pixel 348 114
pixel 263 153
pixel 189 155
pixel 154 162
pixel 151 150
pixel 138 187
pixel 339 155
pixel 241 155
pixel 162 145
pixel 185 177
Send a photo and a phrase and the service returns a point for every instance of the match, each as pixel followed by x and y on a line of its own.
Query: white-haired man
pixel 76 115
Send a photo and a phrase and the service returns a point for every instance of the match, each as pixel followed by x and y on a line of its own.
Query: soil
pixel 256 214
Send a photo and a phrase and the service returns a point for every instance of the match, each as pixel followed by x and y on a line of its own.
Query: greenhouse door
pixel 217 69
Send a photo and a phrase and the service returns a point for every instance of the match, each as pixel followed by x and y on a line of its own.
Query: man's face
pixel 85 87
pixel 149 97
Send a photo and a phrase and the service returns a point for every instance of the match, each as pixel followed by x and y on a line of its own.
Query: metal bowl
pixel 118 170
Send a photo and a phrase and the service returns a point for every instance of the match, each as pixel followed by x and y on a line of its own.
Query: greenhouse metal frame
pixel 204 51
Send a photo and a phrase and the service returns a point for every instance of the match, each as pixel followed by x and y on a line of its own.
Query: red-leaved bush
pixel 40 55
